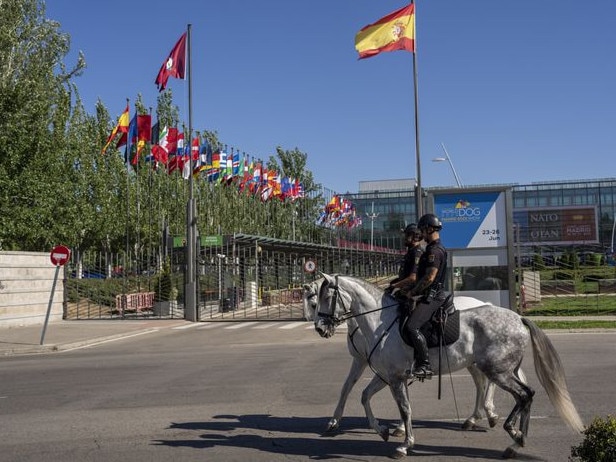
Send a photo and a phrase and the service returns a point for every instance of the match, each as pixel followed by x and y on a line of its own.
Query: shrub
pixel 599 443
pixel 164 287
pixel 561 275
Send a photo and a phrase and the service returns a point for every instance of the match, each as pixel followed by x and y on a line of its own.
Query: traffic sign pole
pixel 53 289
pixel 59 256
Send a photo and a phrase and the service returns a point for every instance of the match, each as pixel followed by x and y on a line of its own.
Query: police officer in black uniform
pixel 407 276
pixel 428 288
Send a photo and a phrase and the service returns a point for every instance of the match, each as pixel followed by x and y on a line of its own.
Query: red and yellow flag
pixel 121 127
pixel 396 31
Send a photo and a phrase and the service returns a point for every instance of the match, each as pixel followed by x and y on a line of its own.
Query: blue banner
pixel 473 219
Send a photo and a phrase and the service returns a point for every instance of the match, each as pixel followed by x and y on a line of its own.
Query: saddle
pixel 445 323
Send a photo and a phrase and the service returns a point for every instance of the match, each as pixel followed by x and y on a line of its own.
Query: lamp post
pixel 448 159
pixel 372 217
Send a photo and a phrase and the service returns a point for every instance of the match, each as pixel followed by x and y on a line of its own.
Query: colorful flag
pixel 121 127
pixel 396 31
pixel 144 133
pixel 131 137
pixel 175 64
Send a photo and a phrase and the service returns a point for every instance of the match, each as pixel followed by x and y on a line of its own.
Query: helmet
pixel 430 220
pixel 410 229
pixel 413 230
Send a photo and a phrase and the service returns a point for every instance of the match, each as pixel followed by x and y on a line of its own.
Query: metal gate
pixel 252 277
pixel 240 277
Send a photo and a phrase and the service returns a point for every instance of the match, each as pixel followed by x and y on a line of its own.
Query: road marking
pixel 115 339
pixel 292 325
pixel 241 325
pixel 208 325
pixel 186 326
pixel 266 325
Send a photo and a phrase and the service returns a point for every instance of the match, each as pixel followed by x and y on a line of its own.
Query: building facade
pixel 558 214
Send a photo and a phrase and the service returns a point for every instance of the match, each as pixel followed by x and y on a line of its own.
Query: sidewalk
pixel 66 335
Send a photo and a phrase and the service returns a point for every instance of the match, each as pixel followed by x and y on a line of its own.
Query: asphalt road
pixel 261 392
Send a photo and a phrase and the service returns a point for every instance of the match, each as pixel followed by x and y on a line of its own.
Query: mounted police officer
pixel 428 290
pixel 407 276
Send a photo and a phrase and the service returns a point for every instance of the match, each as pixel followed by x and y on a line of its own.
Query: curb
pixel 59 347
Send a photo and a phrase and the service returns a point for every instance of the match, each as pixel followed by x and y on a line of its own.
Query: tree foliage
pixel 57 187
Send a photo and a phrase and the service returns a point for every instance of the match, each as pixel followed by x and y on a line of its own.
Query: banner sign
pixel 472 219
pixel 557 225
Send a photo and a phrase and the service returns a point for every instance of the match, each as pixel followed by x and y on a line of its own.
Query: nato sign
pixel 472 219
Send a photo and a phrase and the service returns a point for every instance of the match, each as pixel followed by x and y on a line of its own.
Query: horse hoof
pixel 398 431
pixel 493 421
pixel 509 453
pixel 384 433
pixel 468 425
pixel 332 427
pixel 399 453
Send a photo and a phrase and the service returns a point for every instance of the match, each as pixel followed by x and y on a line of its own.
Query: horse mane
pixel 368 286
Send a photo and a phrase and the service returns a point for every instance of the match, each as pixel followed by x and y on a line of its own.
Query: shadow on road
pixel 272 434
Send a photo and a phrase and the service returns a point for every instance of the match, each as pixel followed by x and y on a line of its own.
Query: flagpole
pixel 418 189
pixel 190 288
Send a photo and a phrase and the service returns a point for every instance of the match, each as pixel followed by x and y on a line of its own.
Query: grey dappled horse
pixel 358 348
pixel 491 337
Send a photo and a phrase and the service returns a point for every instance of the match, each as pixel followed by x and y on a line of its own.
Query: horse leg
pixel 488 389
pixel 488 404
pixel 523 396
pixel 357 368
pixel 400 392
pixel 375 385
pixel 483 397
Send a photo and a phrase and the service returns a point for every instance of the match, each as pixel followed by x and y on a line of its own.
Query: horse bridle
pixel 347 314
pixel 331 317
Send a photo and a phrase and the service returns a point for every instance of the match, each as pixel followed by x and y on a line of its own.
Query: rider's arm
pixel 425 282
pixel 405 283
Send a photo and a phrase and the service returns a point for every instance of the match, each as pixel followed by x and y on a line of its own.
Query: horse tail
pixel 551 375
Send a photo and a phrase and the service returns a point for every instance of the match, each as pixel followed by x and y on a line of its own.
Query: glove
pixel 391 290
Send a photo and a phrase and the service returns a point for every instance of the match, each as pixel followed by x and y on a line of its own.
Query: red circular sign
pixel 60 255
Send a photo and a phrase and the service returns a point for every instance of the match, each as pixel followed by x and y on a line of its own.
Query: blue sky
pixel 517 91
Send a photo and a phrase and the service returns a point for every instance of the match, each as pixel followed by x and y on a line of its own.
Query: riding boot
pixel 422 361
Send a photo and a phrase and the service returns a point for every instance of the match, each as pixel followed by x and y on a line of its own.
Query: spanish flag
pixel 396 31
pixel 121 127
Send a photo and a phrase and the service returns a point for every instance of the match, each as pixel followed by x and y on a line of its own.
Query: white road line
pixel 292 325
pixel 266 325
pixel 240 325
pixel 81 347
pixel 209 325
pixel 186 326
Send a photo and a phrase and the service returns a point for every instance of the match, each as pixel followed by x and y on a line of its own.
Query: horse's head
pixel 330 307
pixel 311 298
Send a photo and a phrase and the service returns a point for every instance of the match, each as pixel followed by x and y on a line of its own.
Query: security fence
pixel 566 280
pixel 246 277
pixel 240 277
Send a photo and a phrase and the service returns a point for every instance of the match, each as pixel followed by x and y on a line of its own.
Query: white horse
pixel 359 349
pixel 491 337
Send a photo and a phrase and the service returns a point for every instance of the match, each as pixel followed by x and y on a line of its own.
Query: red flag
pixel 174 65
pixel 144 131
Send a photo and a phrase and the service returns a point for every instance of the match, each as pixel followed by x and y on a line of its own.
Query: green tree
pixel 35 102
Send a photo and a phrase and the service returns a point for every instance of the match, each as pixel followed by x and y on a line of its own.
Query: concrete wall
pixel 26 279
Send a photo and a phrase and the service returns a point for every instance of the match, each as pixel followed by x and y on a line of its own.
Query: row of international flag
pixel 396 31
pixel 216 165
pixel 339 213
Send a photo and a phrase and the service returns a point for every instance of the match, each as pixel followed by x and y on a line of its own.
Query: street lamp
pixel 372 217
pixel 448 159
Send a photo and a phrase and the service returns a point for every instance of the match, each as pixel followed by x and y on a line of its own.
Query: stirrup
pixel 423 373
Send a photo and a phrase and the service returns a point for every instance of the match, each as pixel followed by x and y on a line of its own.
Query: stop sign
pixel 60 255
